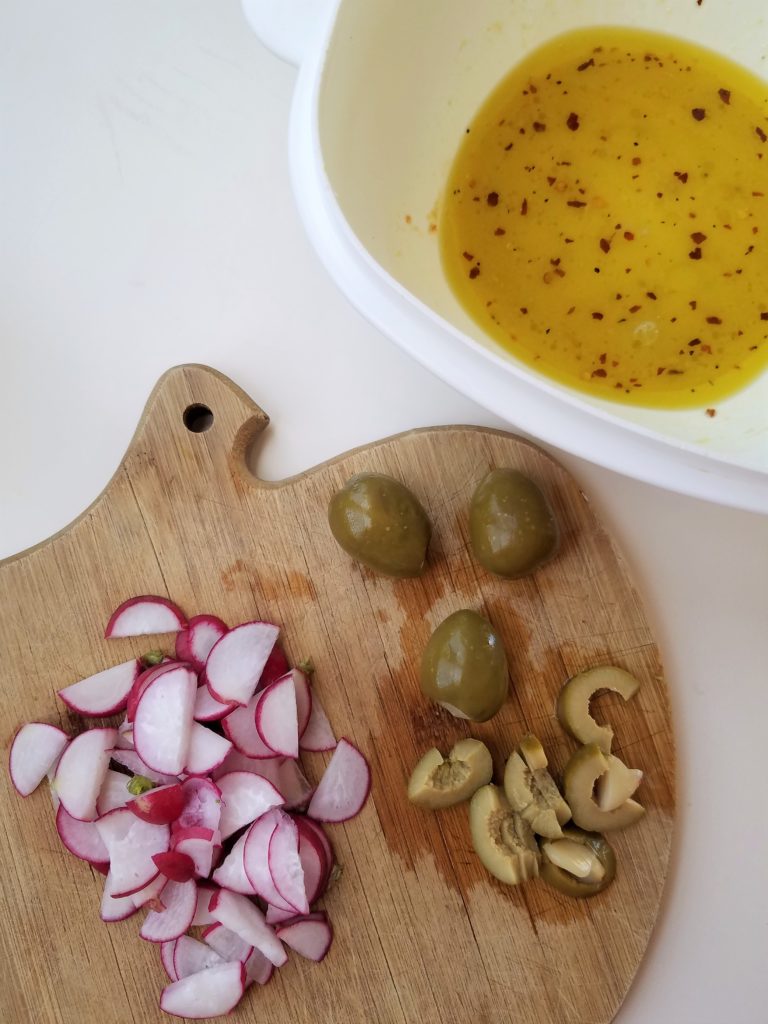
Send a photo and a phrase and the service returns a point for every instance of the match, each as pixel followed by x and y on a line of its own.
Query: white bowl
pixel 385 91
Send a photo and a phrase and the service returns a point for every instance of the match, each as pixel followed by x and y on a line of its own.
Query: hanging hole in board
pixel 198 418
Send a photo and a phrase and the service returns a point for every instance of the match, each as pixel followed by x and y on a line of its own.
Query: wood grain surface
pixel 423 933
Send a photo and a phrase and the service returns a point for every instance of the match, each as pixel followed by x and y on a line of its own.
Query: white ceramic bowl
pixel 385 91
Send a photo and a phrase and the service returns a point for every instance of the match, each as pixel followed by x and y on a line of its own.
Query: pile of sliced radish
pixel 195 806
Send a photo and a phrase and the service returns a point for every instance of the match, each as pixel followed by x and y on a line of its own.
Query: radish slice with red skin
pixel 285 865
pixel 202 805
pixel 113 793
pixel 81 771
pixel 245 797
pixel 81 838
pixel 159 806
pixel 105 693
pixel 203 916
pixel 318 735
pixel 244 918
pixel 115 908
pixel 240 727
pixel 130 759
pixel 256 858
pixel 131 843
pixel 275 915
pixel 237 661
pixel 150 896
pixel 142 682
pixel 276 666
pixel 167 949
pixel 344 787
pixel 303 699
pixel 230 874
pixel 307 825
pixel 228 945
pixel 314 862
pixel 284 773
pixel 145 616
pixel 175 865
pixel 258 969
pixel 310 936
pixel 209 993
pixel 207 708
pixel 191 956
pixel 207 750
pixel 277 717
pixel 162 725
pixel 35 748
pixel 194 643
pixel 180 899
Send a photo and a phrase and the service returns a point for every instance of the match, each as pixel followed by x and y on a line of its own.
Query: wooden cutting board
pixel 422 932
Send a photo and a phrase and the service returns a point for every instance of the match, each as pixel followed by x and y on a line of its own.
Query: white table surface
pixel 146 220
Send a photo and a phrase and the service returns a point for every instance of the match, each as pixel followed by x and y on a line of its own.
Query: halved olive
pixel 580 864
pixel 573 702
pixel 442 782
pixel 511 524
pixel 579 777
pixel 380 523
pixel 531 790
pixel 617 784
pixel 502 839
pixel 464 668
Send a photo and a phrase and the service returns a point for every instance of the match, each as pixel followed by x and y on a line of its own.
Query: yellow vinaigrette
pixel 606 218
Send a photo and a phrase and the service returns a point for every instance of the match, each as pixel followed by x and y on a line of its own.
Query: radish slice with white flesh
pixel 81 838
pixel 284 773
pixel 256 859
pixel 202 805
pixel 105 693
pixel 115 908
pixel 240 727
pixel 310 937
pixel 150 896
pixel 227 944
pixel 176 865
pixel 245 797
pixel 285 865
pixel 131 843
pixel 276 666
pixel 163 722
pixel 167 949
pixel 318 735
pixel 303 699
pixel 198 844
pixel 180 899
pixel 145 616
pixel 244 918
pixel 314 862
pixel 207 750
pixel 277 717
pixel 81 771
pixel 207 708
pixel 191 956
pixel 195 643
pixel 230 874
pixel 203 916
pixel 237 660
pixel 159 806
pixel 258 968
pixel 130 759
pixel 344 787
pixel 142 682
pixel 209 993
pixel 36 747
pixel 113 793
pixel 275 915
pixel 307 825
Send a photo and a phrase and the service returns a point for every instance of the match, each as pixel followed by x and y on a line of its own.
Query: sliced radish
pixel 124 739
pixel 277 718
pixel 344 786
pixel 105 693
pixel 81 771
pixel 81 838
pixel 36 747
pixel 207 750
pixel 303 699
pixel 258 968
pixel 202 805
pixel 142 616
pixel 230 874
pixel 194 643
pixel 240 727
pixel 314 862
pixel 131 844
pixel 275 915
pixel 276 666
pixel 209 993
pixel 318 734
pixel 310 936
pixel 180 899
pixel 285 865
pixel 130 759
pixel 207 708
pixel 163 722
pixel 167 949
pixel 150 896
pixel 237 660
pixel 142 682
pixel 159 806
pixel 227 944
pixel 244 918
pixel 245 797
pixel 203 916
pixel 284 773
pixel 113 793
pixel 306 824
pixel 115 908
pixel 200 845
pixel 191 956
pixel 256 858
pixel 175 865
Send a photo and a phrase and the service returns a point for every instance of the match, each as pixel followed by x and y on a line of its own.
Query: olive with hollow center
pixel 464 667
pixel 380 523
pixel 511 524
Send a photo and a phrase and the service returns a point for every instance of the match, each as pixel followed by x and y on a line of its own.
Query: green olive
pixel 511 524
pixel 464 668
pixel 580 864
pixel 380 523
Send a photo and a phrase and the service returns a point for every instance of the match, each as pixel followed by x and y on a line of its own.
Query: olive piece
pixel 581 773
pixel 580 864
pixel 531 790
pixel 503 840
pixel 442 782
pixel 573 702
pixel 511 524
pixel 380 523
pixel 464 668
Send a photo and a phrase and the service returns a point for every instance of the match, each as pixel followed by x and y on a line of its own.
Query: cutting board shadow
pixel 422 932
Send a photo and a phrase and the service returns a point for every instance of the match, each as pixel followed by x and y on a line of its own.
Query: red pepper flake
pixel 605 245
pixel 524 310
pixel 629 236
pixel 707 349
pixel 660 370
pixel 474 272
pixel 758 195
pixel 524 208
pixel 539 127
pixel 508 147
pixel 714 320
pixel 651 295
pixel 764 316
pixel 693 342
pixel 635 309
pixel 693 303
pixel 573 121
pixel 682 176
pixel 499 231
pixel 761 134
pixel 587 64
pixel 577 203
pixel 698 237
pixel 698 113
pixel 725 95
pixel 468 256
pixel 711 412
pixel 602 357
pixel 492 199
pixel 571 310
pixel 408 218
pixel 555 262
pixel 636 161
pixel 695 254
pixel 550 180
pixel 597 316
pixel 600 372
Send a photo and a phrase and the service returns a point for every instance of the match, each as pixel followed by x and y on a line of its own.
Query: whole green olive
pixel 464 668
pixel 380 523
pixel 511 524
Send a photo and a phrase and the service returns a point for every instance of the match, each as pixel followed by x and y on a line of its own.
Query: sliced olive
pixel 573 702
pixel 380 523
pixel 579 777
pixel 511 524
pixel 503 840
pixel 616 784
pixel 464 668
pixel 442 782
pixel 532 791
pixel 580 864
